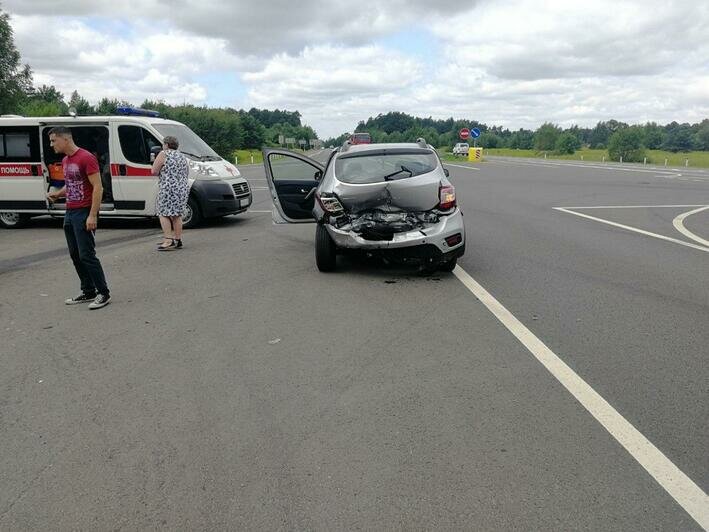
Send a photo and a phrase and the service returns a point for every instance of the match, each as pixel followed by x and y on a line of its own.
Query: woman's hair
pixel 171 142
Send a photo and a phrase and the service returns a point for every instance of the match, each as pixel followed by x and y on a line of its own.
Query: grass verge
pixel 696 159
pixel 245 156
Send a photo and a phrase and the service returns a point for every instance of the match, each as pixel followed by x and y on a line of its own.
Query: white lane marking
pixel 678 222
pixel 634 229
pixel 461 166
pixel 631 206
pixel 678 485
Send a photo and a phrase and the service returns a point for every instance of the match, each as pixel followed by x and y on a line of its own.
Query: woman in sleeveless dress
pixel 173 189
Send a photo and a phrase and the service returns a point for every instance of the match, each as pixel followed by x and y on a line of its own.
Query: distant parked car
pixel 361 138
pixel 394 200
pixel 461 148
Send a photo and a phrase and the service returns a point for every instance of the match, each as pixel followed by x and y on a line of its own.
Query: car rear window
pixel 373 166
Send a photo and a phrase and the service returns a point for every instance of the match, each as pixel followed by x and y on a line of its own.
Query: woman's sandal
pixel 172 245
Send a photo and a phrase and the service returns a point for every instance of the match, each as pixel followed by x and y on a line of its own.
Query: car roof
pixel 64 120
pixel 355 148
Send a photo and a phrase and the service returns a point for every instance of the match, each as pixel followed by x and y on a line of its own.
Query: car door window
pixel 284 168
pixel 19 144
pixel 136 143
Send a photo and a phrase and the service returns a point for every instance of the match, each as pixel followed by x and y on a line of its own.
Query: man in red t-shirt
pixel 83 191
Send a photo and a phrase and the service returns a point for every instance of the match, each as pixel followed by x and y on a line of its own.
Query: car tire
pixel 13 220
pixel 192 216
pixel 325 250
pixel 449 265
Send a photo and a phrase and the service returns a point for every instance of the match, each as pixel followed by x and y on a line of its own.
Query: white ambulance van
pixel 125 146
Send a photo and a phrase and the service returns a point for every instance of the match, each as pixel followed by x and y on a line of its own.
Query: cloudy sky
pixel 515 63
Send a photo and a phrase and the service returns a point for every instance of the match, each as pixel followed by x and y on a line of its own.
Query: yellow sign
pixel 475 155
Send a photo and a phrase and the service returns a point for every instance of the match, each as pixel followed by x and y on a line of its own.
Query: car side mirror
pixel 445 171
pixel 317 175
pixel 154 151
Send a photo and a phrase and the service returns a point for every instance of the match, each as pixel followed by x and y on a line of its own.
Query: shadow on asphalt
pixel 389 273
pixel 48 222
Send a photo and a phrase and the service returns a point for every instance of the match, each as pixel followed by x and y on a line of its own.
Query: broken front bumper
pixel 433 234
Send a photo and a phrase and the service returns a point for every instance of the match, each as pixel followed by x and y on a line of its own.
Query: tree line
pixel 619 138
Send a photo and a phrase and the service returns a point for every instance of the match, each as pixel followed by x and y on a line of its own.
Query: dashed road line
pixel 676 483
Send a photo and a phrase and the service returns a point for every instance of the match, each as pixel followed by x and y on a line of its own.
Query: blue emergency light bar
pixel 136 111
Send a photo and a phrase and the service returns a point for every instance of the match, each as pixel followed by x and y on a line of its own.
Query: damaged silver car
pixel 393 200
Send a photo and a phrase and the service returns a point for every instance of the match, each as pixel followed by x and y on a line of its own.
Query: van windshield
pixel 384 165
pixel 190 143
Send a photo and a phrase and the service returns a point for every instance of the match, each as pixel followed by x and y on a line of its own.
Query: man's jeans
pixel 82 249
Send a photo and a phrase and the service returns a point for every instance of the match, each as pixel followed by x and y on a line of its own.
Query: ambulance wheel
pixel 13 220
pixel 192 217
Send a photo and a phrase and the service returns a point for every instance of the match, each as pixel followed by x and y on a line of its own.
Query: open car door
pixel 292 179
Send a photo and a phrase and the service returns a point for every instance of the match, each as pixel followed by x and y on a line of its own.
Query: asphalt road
pixel 231 385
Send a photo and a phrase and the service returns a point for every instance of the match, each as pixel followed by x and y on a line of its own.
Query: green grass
pixel 244 156
pixel 657 157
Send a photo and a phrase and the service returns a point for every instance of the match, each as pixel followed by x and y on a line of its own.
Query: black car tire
pixel 13 220
pixel 192 216
pixel 325 250
pixel 449 265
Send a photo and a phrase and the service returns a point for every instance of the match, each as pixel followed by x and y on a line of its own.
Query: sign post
pixel 475 133
pixel 464 133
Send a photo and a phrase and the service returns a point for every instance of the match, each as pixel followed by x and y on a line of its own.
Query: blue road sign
pixel 475 132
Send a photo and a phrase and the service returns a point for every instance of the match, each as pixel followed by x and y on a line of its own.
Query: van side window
pixel 19 144
pixel 136 143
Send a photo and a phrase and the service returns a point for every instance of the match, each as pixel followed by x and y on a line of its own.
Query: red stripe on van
pixel 19 170
pixel 131 171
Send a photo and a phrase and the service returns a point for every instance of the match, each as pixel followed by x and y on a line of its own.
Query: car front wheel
pixel 191 217
pixel 325 250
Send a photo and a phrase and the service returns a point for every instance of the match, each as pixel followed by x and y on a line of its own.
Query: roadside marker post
pixel 475 155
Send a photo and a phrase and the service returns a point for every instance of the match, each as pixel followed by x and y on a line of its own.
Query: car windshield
pixel 384 165
pixel 190 143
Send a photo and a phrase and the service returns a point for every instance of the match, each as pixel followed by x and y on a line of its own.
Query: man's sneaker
pixel 83 298
pixel 178 243
pixel 101 301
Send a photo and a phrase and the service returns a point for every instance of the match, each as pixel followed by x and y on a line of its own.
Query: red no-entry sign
pixel 464 133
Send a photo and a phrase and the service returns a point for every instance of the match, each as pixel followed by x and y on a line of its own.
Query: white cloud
pixel 331 86
pixel 259 29
pixel 156 65
pixel 514 63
